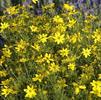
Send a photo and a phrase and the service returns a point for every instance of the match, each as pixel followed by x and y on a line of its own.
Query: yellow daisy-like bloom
pixel 12 10
pixel 48 58
pixel 54 68
pixel 36 46
pixel 97 36
pixel 73 38
pixel 60 28
pixel 96 88
pixel 58 19
pixel 42 38
pixel 34 1
pixel 4 26
pixel 64 52
pixel 6 51
pixel 23 60
pixel 37 78
pixel 3 73
pixel 86 52
pixel 7 81
pixel 68 7
pixel 33 28
pixel 30 92
pixel 71 23
pixel 59 38
pixel 6 91
pixel 78 88
pixel 71 66
pixel 21 45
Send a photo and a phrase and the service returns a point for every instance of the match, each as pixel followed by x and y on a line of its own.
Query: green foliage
pixel 51 56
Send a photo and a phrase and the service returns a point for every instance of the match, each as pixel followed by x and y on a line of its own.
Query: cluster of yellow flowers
pixel 51 56
pixel 30 92
pixel 96 88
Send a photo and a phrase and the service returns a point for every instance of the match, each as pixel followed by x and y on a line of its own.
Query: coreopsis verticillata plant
pixel 71 23
pixel 36 46
pixel 71 66
pixel 12 10
pixel 37 78
pixel 42 38
pixel 57 52
pixel 78 88
pixel 97 36
pixel 6 51
pixel 30 92
pixel 33 28
pixel 68 7
pixel 3 26
pixel 96 88
pixel 59 38
pixel 64 52
pixel 21 45
pixel 86 52
pixel 53 67
pixel 58 19
pixel 7 91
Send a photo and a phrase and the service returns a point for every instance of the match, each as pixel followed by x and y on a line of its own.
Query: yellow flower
pixel 78 88
pixel 34 1
pixel 47 58
pixel 68 7
pixel 96 88
pixel 71 66
pixel 12 10
pixel 82 87
pixel 4 26
pixel 58 19
pixel 6 52
pixel 34 28
pixel 97 36
pixel 30 92
pixel 42 38
pixel 6 91
pixel 60 28
pixel 40 59
pixel 86 52
pixel 21 45
pixel 36 46
pixel 3 73
pixel 7 81
pixel 91 17
pixel 23 60
pixel 74 38
pixel 64 52
pixel 58 38
pixel 54 68
pixel 71 23
pixel 2 60
pixel 37 78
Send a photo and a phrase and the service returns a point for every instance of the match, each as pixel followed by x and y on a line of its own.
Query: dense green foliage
pixel 51 56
